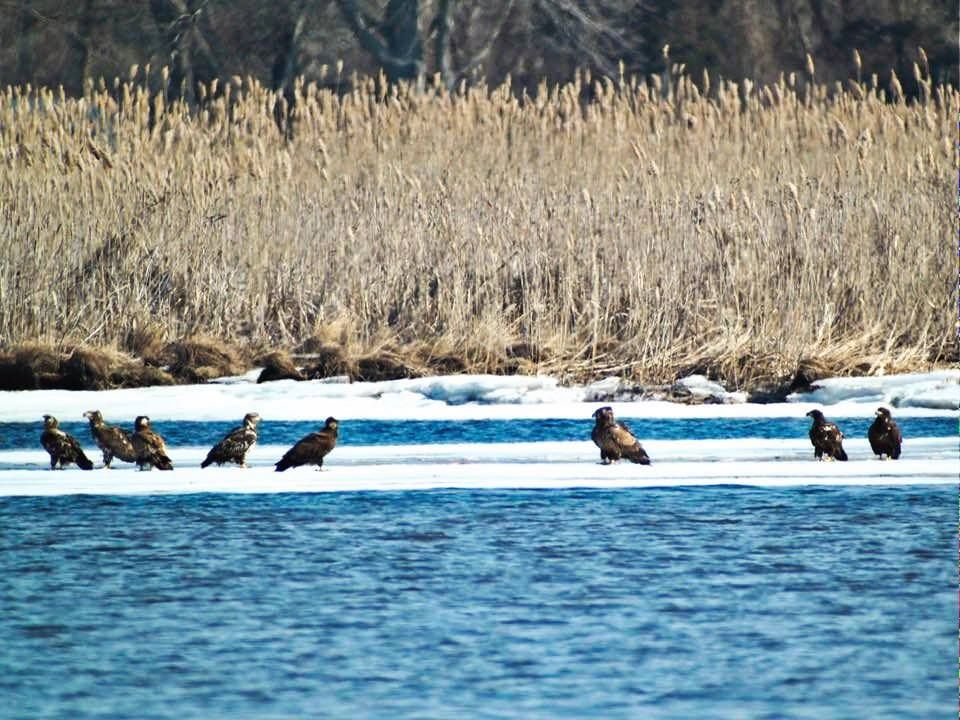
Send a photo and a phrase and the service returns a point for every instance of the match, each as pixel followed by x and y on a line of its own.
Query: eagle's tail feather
pixel 637 454
pixel 163 463
pixel 282 465
pixel 84 463
pixel 206 462
pixel 841 454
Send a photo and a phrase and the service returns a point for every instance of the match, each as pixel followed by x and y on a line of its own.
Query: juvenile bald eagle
pixel 884 435
pixel 149 447
pixel 826 438
pixel 112 440
pixel 615 439
pixel 311 449
pixel 63 448
pixel 235 444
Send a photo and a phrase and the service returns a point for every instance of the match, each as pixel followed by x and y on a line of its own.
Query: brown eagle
pixel 826 438
pixel 884 435
pixel 615 439
pixel 112 440
pixel 311 449
pixel 63 448
pixel 149 447
pixel 235 444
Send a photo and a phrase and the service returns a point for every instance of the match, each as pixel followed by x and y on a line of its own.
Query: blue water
pixel 690 603
pixel 401 432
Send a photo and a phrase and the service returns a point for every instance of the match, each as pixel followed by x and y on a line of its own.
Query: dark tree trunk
pixel 394 42
pixel 25 22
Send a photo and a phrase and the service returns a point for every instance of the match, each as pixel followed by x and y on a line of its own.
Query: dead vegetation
pixel 761 235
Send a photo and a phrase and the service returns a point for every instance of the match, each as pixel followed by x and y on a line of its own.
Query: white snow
pixel 937 390
pixel 464 397
pixel 547 465
pixel 777 462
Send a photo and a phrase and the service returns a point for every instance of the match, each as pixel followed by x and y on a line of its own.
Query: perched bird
pixel 235 444
pixel 311 449
pixel 112 440
pixel 884 435
pixel 615 439
pixel 826 438
pixel 148 446
pixel 63 448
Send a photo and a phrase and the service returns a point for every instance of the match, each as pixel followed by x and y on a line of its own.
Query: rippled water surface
pixel 689 603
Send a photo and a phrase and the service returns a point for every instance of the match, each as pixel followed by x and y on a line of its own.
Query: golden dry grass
pixel 659 229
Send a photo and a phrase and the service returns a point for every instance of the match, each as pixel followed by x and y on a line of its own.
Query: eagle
pixel 112 440
pixel 884 435
pixel 235 444
pixel 311 449
pixel 149 447
pixel 615 439
pixel 63 448
pixel 826 438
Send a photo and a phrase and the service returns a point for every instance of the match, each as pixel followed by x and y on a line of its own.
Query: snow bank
pixel 937 390
pixel 465 397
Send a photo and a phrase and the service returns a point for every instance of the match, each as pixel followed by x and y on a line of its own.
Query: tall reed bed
pixel 638 227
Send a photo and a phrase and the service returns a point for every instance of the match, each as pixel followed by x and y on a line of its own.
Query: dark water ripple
pixel 684 603
pixel 403 432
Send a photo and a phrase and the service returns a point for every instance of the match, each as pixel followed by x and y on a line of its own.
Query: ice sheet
pixel 549 465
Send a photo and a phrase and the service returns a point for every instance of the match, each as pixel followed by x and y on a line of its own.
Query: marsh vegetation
pixel 644 227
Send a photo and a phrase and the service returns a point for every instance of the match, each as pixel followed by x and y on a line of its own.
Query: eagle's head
pixel 94 416
pixel 816 415
pixel 141 423
pixel 882 412
pixel 604 415
pixel 50 422
pixel 251 419
pixel 332 423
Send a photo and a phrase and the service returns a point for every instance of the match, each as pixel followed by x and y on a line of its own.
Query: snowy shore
pixel 469 397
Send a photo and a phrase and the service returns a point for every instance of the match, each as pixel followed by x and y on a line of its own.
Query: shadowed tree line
pixel 70 42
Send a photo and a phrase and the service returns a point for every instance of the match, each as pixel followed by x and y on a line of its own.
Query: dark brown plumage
pixel 884 435
pixel 235 444
pixel 311 449
pixel 63 448
pixel 112 440
pixel 615 439
pixel 826 438
pixel 150 449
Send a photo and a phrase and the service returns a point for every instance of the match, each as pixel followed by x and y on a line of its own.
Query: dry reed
pixel 661 228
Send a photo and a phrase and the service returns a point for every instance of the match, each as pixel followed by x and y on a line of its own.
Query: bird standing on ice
pixel 63 447
pixel 615 439
pixel 312 448
pixel 235 445
pixel 826 438
pixel 112 441
pixel 884 435
pixel 150 448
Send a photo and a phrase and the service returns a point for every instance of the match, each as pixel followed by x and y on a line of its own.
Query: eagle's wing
pixel 117 441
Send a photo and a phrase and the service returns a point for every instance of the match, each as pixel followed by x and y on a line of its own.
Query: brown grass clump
pixel 33 366
pixel 329 360
pixel 199 359
pixel 723 226
pixel 278 365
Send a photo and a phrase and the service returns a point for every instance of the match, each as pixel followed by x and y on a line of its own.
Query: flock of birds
pixel 147 448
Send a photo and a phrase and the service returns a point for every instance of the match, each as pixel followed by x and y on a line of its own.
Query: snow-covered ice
pixel 464 397
pixel 778 462
pixel 547 465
